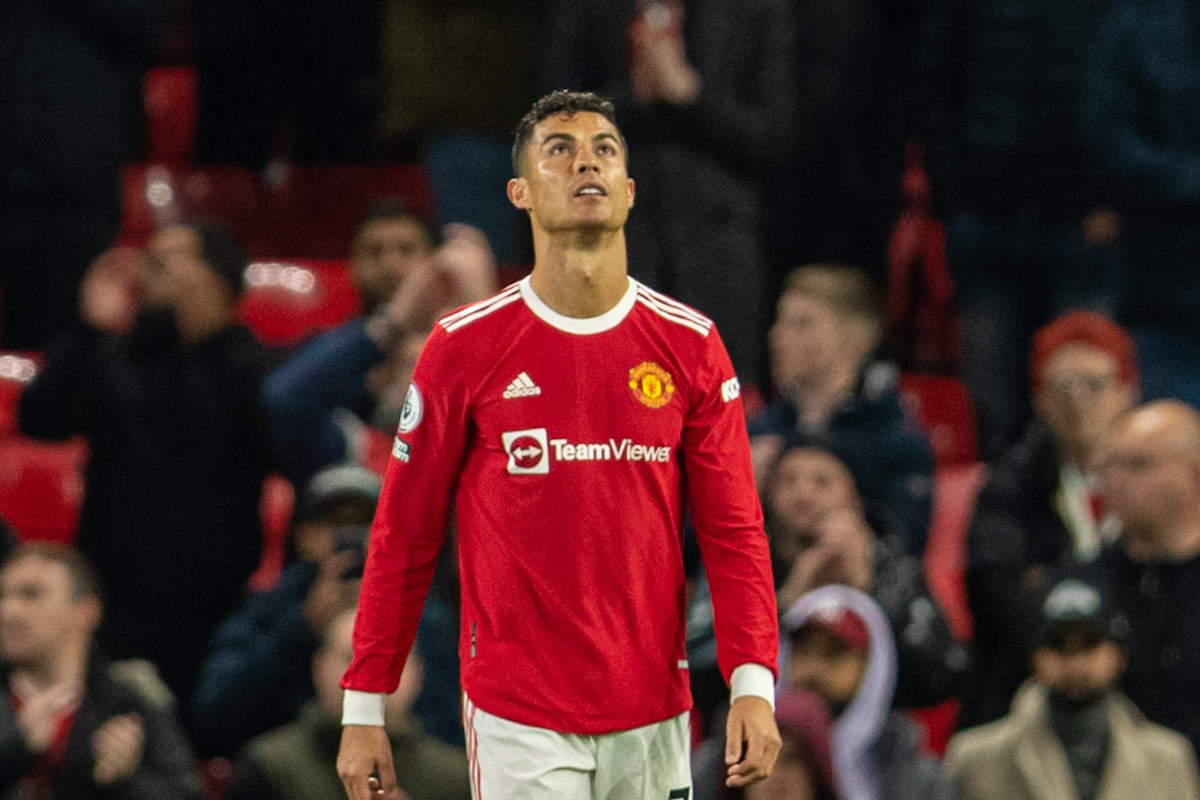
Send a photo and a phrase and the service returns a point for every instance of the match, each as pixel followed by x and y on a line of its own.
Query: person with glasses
pixel 1039 506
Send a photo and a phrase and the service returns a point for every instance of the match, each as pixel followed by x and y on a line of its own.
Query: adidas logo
pixel 522 386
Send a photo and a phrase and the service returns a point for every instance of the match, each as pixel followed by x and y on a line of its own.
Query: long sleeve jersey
pixel 571 448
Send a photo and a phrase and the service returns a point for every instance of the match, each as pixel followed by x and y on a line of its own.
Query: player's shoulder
pixel 671 312
pixel 480 317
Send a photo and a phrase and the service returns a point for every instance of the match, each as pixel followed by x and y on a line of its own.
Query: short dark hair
pixel 394 208
pixel 220 251
pixel 84 583
pixel 560 101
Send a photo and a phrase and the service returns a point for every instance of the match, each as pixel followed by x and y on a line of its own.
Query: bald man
pixel 1151 477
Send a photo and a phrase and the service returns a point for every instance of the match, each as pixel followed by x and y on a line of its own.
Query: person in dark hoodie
pixel 178 449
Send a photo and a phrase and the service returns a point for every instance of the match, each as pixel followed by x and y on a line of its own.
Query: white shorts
pixel 511 761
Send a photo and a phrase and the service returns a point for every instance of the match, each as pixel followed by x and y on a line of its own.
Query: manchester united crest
pixel 651 384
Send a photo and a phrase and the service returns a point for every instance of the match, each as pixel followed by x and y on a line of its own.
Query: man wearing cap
pixel 1040 507
pixel 838 644
pixel 164 384
pixel 1071 733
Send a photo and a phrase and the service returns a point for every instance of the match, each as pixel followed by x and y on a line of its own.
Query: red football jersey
pixel 571 448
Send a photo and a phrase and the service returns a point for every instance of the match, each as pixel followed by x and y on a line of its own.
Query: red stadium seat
pixel 169 98
pixel 944 409
pixel 41 487
pixel 275 510
pixel 154 195
pixel 313 210
pixel 16 371
pixel 954 490
pixel 288 300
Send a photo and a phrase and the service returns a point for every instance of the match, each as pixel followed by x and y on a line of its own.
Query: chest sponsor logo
pixel 530 451
pixel 410 415
pixel 651 384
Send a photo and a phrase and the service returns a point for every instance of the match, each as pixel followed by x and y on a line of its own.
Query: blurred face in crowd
pixel 575 177
pixel 40 613
pixel 333 659
pixel 824 663
pixel 384 253
pixel 805 341
pixel 1080 667
pixel 175 275
pixel 806 485
pixel 1082 396
pixel 1151 475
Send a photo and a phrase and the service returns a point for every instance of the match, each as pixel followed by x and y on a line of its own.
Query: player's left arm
pixel 729 529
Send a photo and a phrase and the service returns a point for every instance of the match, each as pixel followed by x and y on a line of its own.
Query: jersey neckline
pixel 579 325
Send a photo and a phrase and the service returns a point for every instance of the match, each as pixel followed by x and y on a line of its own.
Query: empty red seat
pixel 944 409
pixel 313 210
pixel 41 487
pixel 288 300
pixel 169 99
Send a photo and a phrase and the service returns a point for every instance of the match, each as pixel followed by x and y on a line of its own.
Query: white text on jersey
pixel 612 450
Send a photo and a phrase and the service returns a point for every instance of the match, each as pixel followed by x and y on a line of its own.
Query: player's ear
pixel 518 193
pixel 631 192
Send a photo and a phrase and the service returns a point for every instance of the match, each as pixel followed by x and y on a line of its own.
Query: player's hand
pixel 117 746
pixel 365 765
pixel 752 741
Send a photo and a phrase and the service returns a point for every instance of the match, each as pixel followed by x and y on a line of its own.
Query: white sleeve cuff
pixel 362 708
pixel 754 680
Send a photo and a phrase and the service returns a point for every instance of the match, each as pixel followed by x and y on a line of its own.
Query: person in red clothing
pixel 570 420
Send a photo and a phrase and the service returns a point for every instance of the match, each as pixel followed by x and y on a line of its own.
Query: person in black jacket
pixel 178 449
pixel 1039 508
pixel 73 724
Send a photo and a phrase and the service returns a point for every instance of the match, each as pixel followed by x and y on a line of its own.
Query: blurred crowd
pixel 1004 194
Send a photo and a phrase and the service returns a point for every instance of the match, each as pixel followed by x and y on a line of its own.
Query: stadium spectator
pixel 574 379
pixel 1141 112
pixel 1151 483
pixel 177 447
pixel 821 534
pixel 319 401
pixel 1039 508
pixel 837 643
pixel 70 113
pixel 707 100
pixel 1071 734
pixel 1029 234
pixel 256 675
pixel 74 724
pixel 828 384
pixel 298 761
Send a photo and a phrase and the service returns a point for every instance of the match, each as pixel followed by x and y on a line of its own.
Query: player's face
pixel 575 176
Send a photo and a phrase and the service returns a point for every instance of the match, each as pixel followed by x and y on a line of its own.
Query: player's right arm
pixel 406 537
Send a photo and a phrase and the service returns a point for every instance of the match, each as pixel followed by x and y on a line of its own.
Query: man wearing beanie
pixel 1039 508
pixel 1071 735
pixel 163 384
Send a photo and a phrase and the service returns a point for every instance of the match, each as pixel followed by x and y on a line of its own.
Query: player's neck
pixel 580 277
